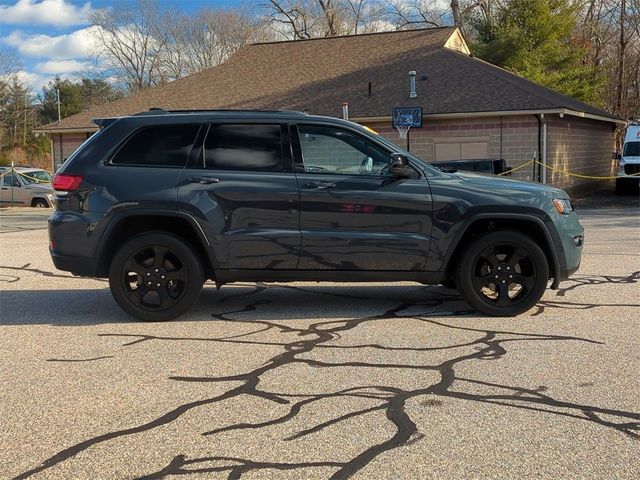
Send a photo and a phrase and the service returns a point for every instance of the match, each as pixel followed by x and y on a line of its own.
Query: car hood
pixel 500 183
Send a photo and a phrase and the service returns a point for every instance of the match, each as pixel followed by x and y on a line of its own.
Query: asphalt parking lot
pixel 321 380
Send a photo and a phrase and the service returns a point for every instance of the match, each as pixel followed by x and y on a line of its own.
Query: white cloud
pixel 76 44
pixel 35 81
pixel 59 13
pixel 61 66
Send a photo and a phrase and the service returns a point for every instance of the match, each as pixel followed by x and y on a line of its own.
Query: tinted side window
pixel 163 145
pixel 244 147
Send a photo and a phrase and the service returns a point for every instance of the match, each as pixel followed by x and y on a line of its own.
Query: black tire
pixel 627 186
pixel 622 186
pixel 502 273
pixel 39 203
pixel 449 283
pixel 156 277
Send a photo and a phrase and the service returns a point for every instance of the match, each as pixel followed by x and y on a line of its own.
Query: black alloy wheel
pixel 503 273
pixel 156 277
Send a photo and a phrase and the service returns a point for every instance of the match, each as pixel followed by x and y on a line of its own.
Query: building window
pixel 460 150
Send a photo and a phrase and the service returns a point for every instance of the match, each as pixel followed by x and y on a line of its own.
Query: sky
pixel 52 37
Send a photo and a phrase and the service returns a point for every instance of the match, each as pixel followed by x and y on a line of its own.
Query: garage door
pixel 461 150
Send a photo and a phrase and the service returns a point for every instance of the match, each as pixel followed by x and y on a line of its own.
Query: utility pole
pixel 24 130
pixel 58 102
pixel 622 47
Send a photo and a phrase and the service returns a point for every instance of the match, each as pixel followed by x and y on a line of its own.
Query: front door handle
pixel 319 185
pixel 203 180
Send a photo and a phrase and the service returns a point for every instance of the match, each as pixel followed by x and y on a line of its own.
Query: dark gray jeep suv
pixel 160 201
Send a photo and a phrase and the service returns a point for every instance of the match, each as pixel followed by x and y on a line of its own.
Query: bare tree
pixel 302 19
pixel 9 65
pixel 128 44
pixel 143 46
pixel 212 36
pixel 416 13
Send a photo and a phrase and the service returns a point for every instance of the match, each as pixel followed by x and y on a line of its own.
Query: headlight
pixel 620 166
pixel 563 205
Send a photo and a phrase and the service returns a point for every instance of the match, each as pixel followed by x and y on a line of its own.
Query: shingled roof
pixel 318 75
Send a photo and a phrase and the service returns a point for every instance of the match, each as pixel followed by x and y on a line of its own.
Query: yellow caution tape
pixel 578 175
pixel 508 172
pixel 37 180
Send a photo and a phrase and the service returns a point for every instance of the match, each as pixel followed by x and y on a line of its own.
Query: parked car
pixel 24 186
pixel 160 201
pixel 628 172
pixel 481 165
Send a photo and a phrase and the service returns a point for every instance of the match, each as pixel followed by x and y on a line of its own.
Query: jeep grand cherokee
pixel 160 201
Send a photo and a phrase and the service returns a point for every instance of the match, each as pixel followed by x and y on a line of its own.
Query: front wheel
pixel 155 277
pixel 502 273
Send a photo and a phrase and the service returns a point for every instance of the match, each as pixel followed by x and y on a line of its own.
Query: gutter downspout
pixel 537 154
pixel 542 149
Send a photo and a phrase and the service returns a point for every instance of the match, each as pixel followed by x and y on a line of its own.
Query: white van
pixel 629 163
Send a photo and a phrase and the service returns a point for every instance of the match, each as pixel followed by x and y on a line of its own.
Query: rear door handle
pixel 203 180
pixel 319 185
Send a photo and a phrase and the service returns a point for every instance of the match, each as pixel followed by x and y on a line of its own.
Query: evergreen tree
pixel 534 39
pixel 75 97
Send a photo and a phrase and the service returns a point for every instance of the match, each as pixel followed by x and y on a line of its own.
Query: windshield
pixel 631 149
pixel 35 176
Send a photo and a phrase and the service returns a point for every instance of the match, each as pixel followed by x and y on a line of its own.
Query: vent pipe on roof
pixel 412 84
pixel 345 111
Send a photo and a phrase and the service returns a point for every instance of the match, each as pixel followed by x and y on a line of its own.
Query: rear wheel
pixel 155 277
pixel 627 186
pixel 502 273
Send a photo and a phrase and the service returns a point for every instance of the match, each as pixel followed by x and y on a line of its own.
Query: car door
pixel 241 188
pixel 12 192
pixel 353 214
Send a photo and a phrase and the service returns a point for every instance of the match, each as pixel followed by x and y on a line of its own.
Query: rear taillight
pixel 66 183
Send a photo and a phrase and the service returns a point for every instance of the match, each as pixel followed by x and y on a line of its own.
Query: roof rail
pixel 152 111
pixel 161 111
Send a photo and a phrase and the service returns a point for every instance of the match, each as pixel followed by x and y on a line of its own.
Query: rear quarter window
pixel 158 146
pixel 253 147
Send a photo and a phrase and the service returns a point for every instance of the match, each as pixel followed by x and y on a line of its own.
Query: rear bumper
pixel 72 242
pixel 82 266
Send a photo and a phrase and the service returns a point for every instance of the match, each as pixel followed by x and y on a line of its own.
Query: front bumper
pixel 569 232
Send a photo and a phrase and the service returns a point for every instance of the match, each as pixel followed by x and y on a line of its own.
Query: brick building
pixel 472 109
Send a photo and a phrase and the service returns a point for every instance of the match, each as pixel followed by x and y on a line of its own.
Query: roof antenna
pixel 345 110
pixel 412 84
pixel 369 93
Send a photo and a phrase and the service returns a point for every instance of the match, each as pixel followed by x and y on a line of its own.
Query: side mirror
pixel 399 165
pixel 616 156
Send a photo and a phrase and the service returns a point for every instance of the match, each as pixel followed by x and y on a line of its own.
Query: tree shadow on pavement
pixel 307 344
